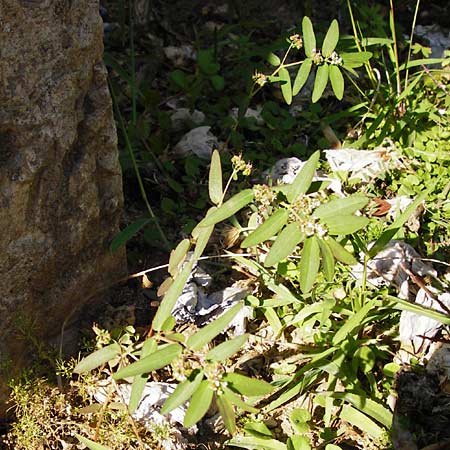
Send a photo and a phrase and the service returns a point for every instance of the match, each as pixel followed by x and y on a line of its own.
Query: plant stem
pixel 410 42
pixel 136 170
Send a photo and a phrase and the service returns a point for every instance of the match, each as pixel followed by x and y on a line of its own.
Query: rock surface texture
pixel 60 180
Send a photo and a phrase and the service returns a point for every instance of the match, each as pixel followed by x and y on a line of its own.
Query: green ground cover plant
pixel 328 339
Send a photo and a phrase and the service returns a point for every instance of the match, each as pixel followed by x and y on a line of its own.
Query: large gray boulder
pixel 60 180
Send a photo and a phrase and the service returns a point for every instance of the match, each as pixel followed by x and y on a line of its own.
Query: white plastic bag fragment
pixel 148 411
pixel 394 265
pixel 285 170
pixel 417 330
pixel 362 164
pixel 199 141
pixel 194 305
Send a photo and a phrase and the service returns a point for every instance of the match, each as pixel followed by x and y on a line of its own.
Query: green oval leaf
pixel 286 86
pixel 127 233
pixel 206 334
pixel 215 179
pixel 345 224
pixel 199 404
pixel 177 256
pixel 327 260
pixel 364 358
pixel 309 38
pixel 97 358
pixel 268 229
pixel 251 387
pixel 284 244
pixel 354 60
pixel 230 207
pixel 183 391
pixel 203 235
pixel 227 413
pixel 309 264
pixel 340 253
pixel 140 381
pixel 91 444
pixel 331 39
pixel 155 361
pixel 303 180
pixel 273 59
pixel 337 81
pixel 302 76
pixel 341 206
pixel 320 82
pixel 236 400
pixel 298 442
pixel 226 349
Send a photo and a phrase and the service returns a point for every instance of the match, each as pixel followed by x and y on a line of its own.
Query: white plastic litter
pixel 154 396
pixel 196 306
pixel 417 330
pixel 199 141
pixel 285 170
pixel 362 164
pixel 393 266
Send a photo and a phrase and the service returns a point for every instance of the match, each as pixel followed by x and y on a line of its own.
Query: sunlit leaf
pixel 139 382
pixel 309 264
pixel 91 444
pixel 256 443
pixel 268 229
pixel 286 87
pixel 340 253
pixel 303 179
pixel 327 260
pixel 183 391
pixel 309 38
pixel 230 207
pixel 236 400
pixel 250 387
pixel 341 206
pixel 364 358
pixel 361 421
pixel 199 404
pixel 302 76
pixel 206 334
pixel 203 235
pixel 298 442
pixel 354 60
pixel 127 233
pixel 352 323
pixel 226 349
pixel 177 256
pixel 284 244
pixel 155 361
pixel 337 81
pixel 392 229
pixel 173 292
pixel 341 225
pixel 227 413
pixel 320 82
pixel 97 358
pixel 331 39
pixel 215 179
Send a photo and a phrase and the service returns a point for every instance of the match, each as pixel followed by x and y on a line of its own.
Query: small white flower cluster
pixel 335 59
